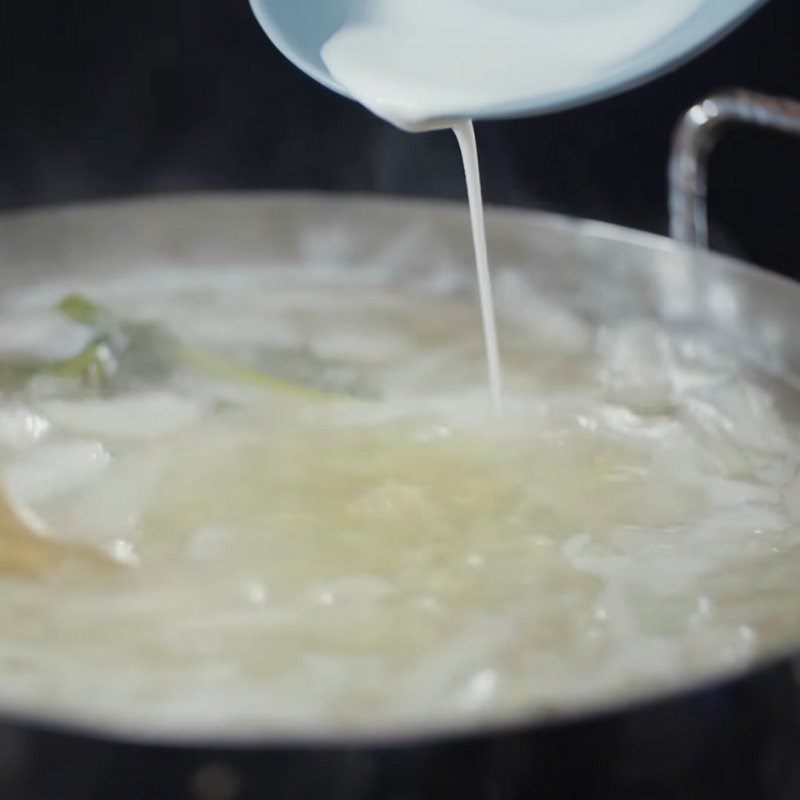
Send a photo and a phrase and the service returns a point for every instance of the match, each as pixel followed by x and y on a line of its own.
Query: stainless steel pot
pixel 735 738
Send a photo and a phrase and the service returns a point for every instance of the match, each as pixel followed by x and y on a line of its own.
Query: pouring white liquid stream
pixel 410 61
pixel 469 153
pixel 413 62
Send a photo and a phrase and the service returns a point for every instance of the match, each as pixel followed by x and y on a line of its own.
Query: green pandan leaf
pixel 124 354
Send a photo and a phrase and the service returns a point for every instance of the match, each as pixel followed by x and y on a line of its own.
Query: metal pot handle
pixel 693 141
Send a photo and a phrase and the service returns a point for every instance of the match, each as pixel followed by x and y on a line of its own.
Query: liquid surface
pixel 416 62
pixel 374 550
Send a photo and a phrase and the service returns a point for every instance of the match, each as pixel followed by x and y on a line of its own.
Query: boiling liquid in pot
pixel 371 550
pixel 386 554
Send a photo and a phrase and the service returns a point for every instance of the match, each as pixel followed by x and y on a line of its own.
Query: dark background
pixel 101 99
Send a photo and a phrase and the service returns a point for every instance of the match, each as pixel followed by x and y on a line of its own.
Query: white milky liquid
pixel 420 63
pixel 417 61
pixel 469 153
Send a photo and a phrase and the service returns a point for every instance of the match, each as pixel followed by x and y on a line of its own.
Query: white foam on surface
pixel 156 414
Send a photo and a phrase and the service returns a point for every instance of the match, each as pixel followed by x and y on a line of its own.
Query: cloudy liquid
pixel 382 558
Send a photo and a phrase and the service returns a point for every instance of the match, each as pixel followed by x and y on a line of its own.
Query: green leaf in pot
pixel 125 354
pixel 121 355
